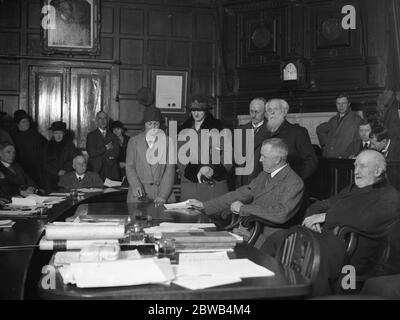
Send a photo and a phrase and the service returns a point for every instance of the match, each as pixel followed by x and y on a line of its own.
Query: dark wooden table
pixel 285 284
pixel 19 268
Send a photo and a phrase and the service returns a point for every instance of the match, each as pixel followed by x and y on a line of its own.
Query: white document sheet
pixel 28 202
pixel 201 257
pixel 205 281
pixel 118 273
pixel 242 268
pixel 178 205
pixel 90 190
pixel 112 183
pixel 84 231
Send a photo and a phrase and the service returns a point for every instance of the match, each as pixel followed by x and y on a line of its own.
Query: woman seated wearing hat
pixel 58 156
pixel 147 180
pixel 118 129
pixel 203 181
pixel 29 144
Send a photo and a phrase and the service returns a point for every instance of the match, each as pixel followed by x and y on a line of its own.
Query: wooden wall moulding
pixel 70 26
pixel 330 32
pixel 259 39
pixel 327 37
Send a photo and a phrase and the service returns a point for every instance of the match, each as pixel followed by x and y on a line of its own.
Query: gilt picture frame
pixel 70 26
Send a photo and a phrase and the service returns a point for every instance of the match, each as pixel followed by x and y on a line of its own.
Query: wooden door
pixel 90 93
pixel 72 95
pixel 48 96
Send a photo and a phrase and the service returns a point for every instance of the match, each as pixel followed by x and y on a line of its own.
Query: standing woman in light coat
pixel 149 181
pixel 203 181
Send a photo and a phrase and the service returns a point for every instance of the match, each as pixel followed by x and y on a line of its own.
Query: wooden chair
pixel 300 251
pixel 256 224
pixel 384 262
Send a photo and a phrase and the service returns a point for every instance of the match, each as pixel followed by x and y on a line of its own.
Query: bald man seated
pixel 370 205
pixel 80 178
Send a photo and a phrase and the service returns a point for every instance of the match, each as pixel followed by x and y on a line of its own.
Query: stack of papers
pixel 34 200
pixel 112 183
pixel 90 190
pixel 166 227
pixel 6 224
pixel 178 205
pixel 199 271
pixel 118 273
pixel 68 257
pixel 14 211
pixel 205 240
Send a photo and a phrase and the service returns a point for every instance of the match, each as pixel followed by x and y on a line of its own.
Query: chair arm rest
pixel 343 231
pixel 251 220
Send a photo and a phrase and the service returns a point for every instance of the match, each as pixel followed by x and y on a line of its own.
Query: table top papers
pixel 178 205
pixel 118 273
pixel 166 227
pixel 35 200
pixel 204 270
pixel 6 224
pixel 112 183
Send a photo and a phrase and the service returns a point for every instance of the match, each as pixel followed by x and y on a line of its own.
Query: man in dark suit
pixel 369 205
pixel 80 178
pixel 337 134
pixel 301 155
pixel 14 179
pixel 362 143
pixel 259 125
pixel 380 141
pixel 103 149
pixel 275 194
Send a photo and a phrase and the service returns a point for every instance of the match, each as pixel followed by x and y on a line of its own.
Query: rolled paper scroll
pixel 45 244
pixel 84 231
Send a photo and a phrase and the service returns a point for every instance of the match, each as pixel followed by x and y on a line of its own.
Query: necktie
pixel 268 180
pixel 256 129
pixel 79 179
pixel 365 145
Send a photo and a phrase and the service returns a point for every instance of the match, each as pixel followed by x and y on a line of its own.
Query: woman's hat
pixel 116 124
pixel 58 126
pixel 145 96
pixel 19 115
pixel 200 103
pixel 152 114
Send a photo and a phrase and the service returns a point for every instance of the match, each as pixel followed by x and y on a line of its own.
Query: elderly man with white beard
pixel 370 204
pixel 301 156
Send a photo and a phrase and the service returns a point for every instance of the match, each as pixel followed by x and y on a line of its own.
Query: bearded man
pixel 301 157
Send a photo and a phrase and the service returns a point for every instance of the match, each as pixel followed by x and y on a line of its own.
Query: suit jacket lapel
pixel 275 180
pixel 261 135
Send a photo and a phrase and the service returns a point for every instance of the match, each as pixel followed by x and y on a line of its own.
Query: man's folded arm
pixel 282 210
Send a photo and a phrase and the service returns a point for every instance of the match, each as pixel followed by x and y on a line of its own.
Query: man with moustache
pixel 259 126
pixel 370 204
pixel 301 157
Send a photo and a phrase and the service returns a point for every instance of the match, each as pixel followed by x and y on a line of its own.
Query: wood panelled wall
pixel 137 37
pixel 336 60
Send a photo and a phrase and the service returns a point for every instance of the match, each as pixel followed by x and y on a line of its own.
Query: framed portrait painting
pixel 170 88
pixel 70 26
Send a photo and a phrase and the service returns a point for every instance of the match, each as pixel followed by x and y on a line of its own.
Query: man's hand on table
pixel 314 222
pixel 159 201
pixel 196 204
pixel 235 207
